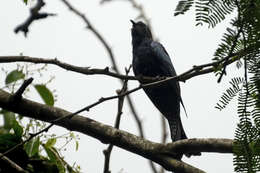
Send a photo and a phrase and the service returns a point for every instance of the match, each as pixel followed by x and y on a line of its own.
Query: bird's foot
pixel 192 154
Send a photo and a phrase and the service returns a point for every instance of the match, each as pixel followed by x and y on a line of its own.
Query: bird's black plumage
pixel 151 59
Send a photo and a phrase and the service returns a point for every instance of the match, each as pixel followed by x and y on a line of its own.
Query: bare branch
pixel 136 117
pixel 82 70
pixel 95 32
pixel 108 151
pixel 159 153
pixel 164 135
pixel 202 145
pixel 193 72
pixel 18 94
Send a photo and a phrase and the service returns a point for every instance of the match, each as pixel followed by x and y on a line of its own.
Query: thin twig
pixel 164 136
pixel 94 31
pixel 25 141
pixel 107 152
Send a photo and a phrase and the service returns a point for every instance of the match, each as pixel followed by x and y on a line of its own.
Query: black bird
pixel 151 59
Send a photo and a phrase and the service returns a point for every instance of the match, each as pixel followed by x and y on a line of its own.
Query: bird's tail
pixel 176 129
pixel 177 133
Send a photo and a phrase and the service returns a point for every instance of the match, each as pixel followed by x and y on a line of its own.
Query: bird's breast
pixel 145 63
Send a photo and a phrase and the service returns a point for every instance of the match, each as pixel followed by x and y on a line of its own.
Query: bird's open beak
pixel 132 22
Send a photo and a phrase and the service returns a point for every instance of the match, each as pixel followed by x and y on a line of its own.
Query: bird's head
pixel 140 31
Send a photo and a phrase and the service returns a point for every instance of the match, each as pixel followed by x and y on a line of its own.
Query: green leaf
pixel 9 118
pixel 45 94
pixel 14 76
pixel 50 143
pixel 18 129
pixel 11 123
pixel 55 158
pixel 8 140
pixel 32 147
pixel 25 1
pixel 51 153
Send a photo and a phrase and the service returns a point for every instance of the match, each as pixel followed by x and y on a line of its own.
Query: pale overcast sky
pixel 66 38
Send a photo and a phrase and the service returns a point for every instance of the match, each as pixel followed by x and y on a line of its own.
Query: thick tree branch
pixel 159 153
pixel 205 145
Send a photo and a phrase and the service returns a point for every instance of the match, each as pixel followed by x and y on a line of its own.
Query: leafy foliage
pixel 32 147
pixel 241 41
pixel 39 154
pixel 210 12
pixel 183 6
pixel 213 12
pixel 231 44
pixel 246 148
pixel 231 92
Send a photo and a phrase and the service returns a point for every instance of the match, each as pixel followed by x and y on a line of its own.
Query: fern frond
pixel 213 12
pixel 245 149
pixel 183 6
pixel 230 93
pixel 230 38
pixel 247 134
pixel 240 42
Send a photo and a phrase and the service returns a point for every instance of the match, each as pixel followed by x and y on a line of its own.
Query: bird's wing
pixel 164 58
